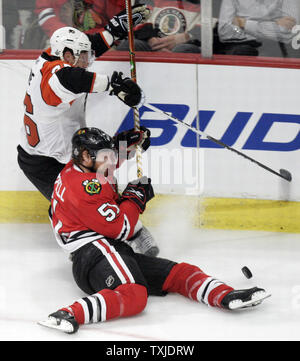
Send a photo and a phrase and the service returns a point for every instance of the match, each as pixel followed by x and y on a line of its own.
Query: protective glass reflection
pixel 85 59
pixel 107 160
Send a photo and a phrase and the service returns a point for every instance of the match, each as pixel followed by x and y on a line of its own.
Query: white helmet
pixel 71 38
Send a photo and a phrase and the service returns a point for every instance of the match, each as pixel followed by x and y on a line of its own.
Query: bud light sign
pixel 255 141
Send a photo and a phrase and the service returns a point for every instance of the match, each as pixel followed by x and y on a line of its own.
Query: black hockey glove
pixel 139 191
pixel 126 90
pixel 130 138
pixel 117 25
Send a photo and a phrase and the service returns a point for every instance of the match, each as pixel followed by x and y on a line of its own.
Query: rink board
pixel 252 109
pixel 206 213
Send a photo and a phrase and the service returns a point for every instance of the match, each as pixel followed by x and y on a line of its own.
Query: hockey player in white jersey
pixel 55 101
pixel 55 97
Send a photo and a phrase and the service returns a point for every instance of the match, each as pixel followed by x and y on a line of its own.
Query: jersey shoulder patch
pixel 92 186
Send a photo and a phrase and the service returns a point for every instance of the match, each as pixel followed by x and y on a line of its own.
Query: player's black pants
pixel 40 170
pixel 106 263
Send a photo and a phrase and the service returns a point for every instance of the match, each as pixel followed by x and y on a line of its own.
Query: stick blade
pixel 286 174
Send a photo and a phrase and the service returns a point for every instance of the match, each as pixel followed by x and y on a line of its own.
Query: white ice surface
pixel 36 279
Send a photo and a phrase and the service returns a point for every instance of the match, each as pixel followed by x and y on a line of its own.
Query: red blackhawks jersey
pixel 85 207
pixel 54 14
pixel 173 16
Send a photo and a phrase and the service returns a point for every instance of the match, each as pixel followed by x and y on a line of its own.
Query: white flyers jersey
pixel 55 106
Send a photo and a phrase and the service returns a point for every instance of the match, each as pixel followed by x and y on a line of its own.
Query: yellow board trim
pixel 210 213
pixel 23 207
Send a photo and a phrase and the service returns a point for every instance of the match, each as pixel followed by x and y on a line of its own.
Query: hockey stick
pixel 136 113
pixel 283 173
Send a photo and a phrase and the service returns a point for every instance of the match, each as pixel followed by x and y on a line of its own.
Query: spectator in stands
pixel 17 15
pixel 245 25
pixel 85 15
pixel 174 26
pixel 10 20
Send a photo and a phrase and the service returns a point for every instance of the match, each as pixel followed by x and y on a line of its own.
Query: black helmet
pixel 92 140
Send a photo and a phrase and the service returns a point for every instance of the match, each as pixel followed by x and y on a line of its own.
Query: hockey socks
pixel 190 281
pixel 130 299
pixel 125 300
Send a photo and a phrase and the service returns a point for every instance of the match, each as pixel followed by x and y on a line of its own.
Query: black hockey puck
pixel 247 273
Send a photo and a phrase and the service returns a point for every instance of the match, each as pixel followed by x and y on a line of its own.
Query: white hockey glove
pixel 126 90
pixel 118 26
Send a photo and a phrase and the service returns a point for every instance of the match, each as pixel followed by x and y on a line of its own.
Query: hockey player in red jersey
pixel 95 225
pixel 55 100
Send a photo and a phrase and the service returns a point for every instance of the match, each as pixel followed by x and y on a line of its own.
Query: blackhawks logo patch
pixel 92 186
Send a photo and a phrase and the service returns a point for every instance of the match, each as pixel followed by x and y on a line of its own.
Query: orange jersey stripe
pixel 103 38
pixel 48 95
pixel 93 82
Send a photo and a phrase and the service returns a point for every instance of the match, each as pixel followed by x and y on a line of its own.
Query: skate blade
pixel 256 299
pixel 63 326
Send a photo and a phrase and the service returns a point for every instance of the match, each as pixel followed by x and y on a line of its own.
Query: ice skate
pixel 62 321
pixel 143 242
pixel 250 297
